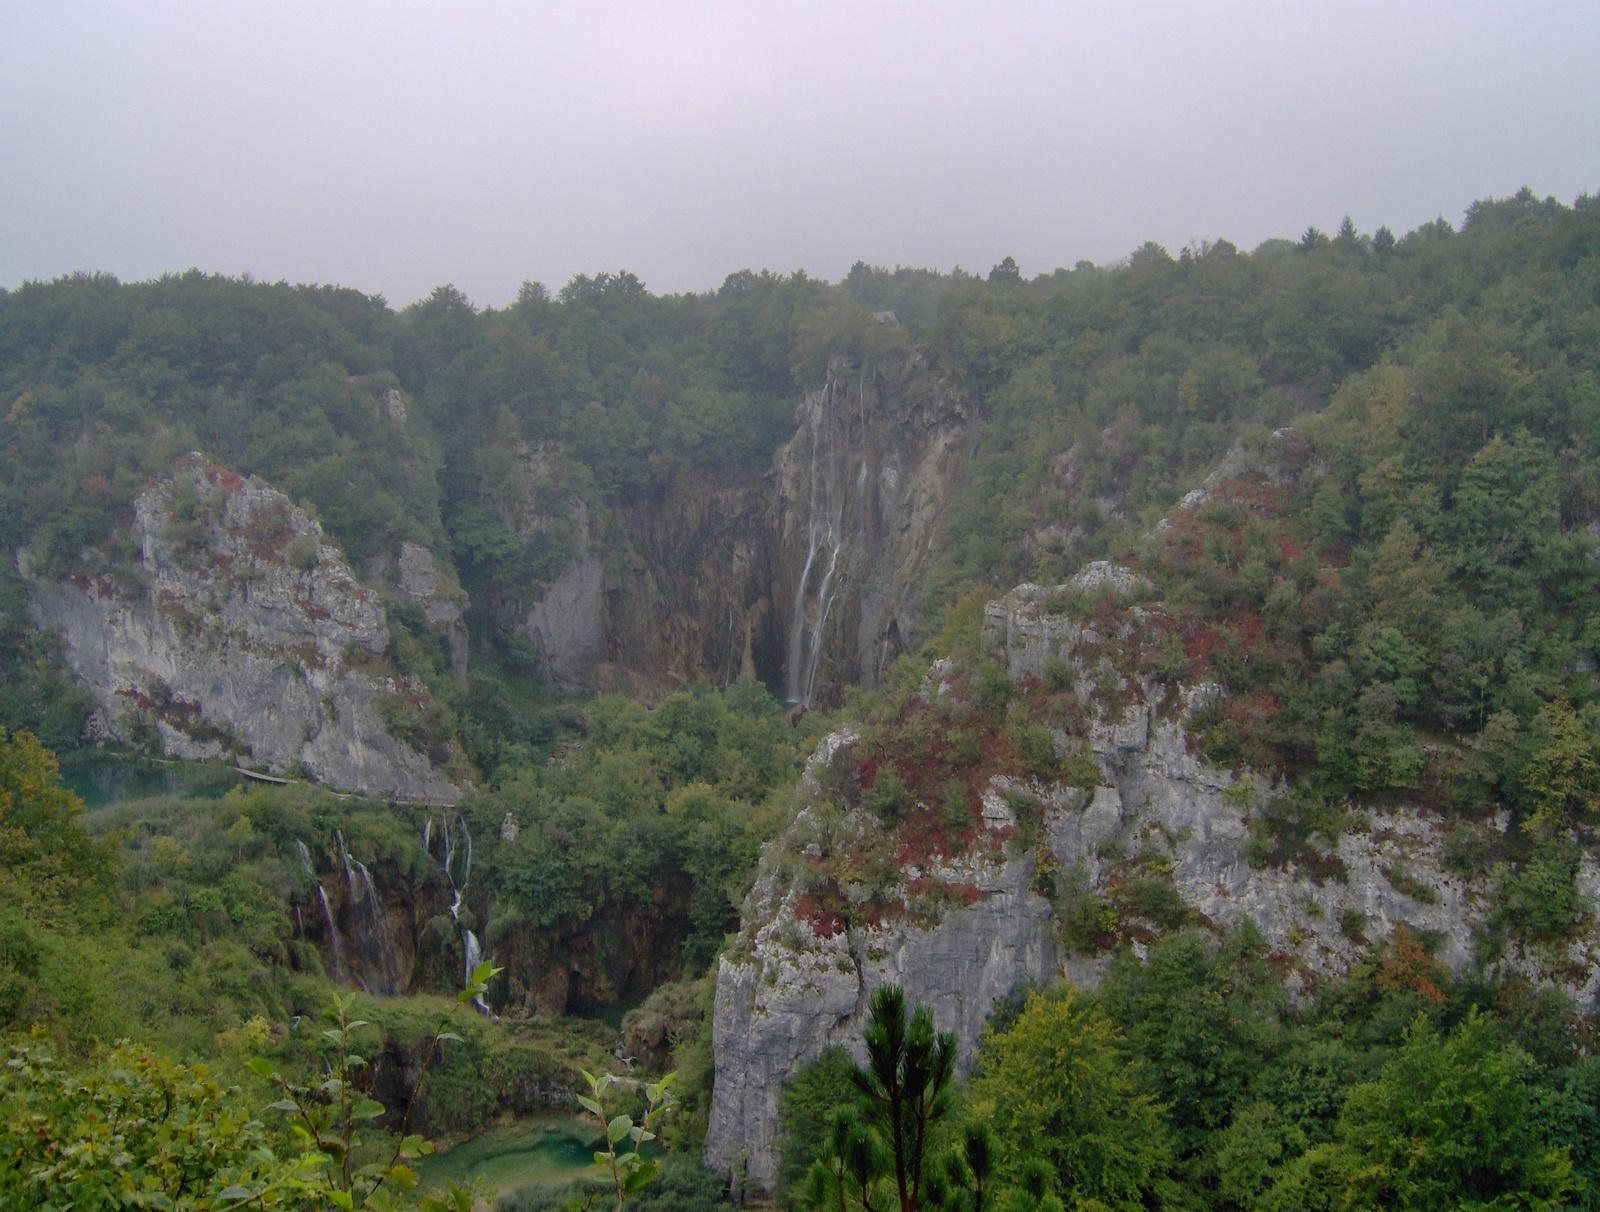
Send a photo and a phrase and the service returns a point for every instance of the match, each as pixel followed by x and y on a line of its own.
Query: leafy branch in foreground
pixel 328 1116
pixel 131 1131
pixel 629 1172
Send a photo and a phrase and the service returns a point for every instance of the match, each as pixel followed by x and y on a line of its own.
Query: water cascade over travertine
pixel 457 865
pixel 327 912
pixel 858 495
pixel 818 584
pixel 379 971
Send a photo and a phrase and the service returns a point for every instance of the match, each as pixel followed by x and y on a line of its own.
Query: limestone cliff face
pixel 794 996
pixel 1318 912
pixel 688 590
pixel 416 578
pixel 802 979
pixel 806 576
pixel 558 615
pixel 797 988
pixel 860 491
pixel 240 635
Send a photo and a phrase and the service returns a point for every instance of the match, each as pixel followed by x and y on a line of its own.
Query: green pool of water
pixel 101 782
pixel 536 1150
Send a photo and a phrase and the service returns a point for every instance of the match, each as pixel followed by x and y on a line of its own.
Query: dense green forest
pixel 1361 474
pixel 1190 1081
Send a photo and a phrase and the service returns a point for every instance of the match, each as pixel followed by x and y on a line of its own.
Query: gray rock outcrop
pixel 796 993
pixel 240 634
pixel 415 578
pixel 802 981
pixel 798 988
pixel 1161 799
pixel 1030 630
pixel 565 623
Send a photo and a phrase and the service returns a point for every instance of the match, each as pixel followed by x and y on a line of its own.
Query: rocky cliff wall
pixel 958 934
pixel 793 990
pixel 240 634
pixel 859 493
pixel 557 612
pixel 688 588
pixel 1160 799
pixel 806 576
pixel 1158 811
pixel 415 578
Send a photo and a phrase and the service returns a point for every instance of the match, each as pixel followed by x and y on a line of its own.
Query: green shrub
pixel 887 798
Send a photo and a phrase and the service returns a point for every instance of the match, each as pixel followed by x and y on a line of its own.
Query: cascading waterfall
pixel 327 912
pixel 861 476
pixel 474 953
pixel 458 889
pixel 458 878
pixel 380 971
pixel 825 537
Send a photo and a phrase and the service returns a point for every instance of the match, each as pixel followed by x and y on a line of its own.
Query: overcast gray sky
pixel 394 146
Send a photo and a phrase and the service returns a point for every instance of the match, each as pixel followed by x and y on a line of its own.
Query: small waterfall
pixel 459 874
pixel 469 944
pixel 333 935
pixel 824 538
pixel 381 972
pixel 335 943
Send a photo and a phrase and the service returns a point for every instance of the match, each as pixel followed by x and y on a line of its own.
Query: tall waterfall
pixel 334 940
pixel 457 866
pixel 380 970
pixel 824 539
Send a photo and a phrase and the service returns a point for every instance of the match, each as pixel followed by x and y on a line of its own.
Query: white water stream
pixel 824 540
pixel 334 940
pixel 449 827
pixel 380 970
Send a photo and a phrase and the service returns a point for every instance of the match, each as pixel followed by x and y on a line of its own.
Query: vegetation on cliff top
pixel 1189 1080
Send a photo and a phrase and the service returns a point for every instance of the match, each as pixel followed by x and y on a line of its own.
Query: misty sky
pixel 394 146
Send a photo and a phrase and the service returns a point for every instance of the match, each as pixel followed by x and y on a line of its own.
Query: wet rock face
pixel 805 577
pixel 688 594
pixel 244 636
pixel 860 490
